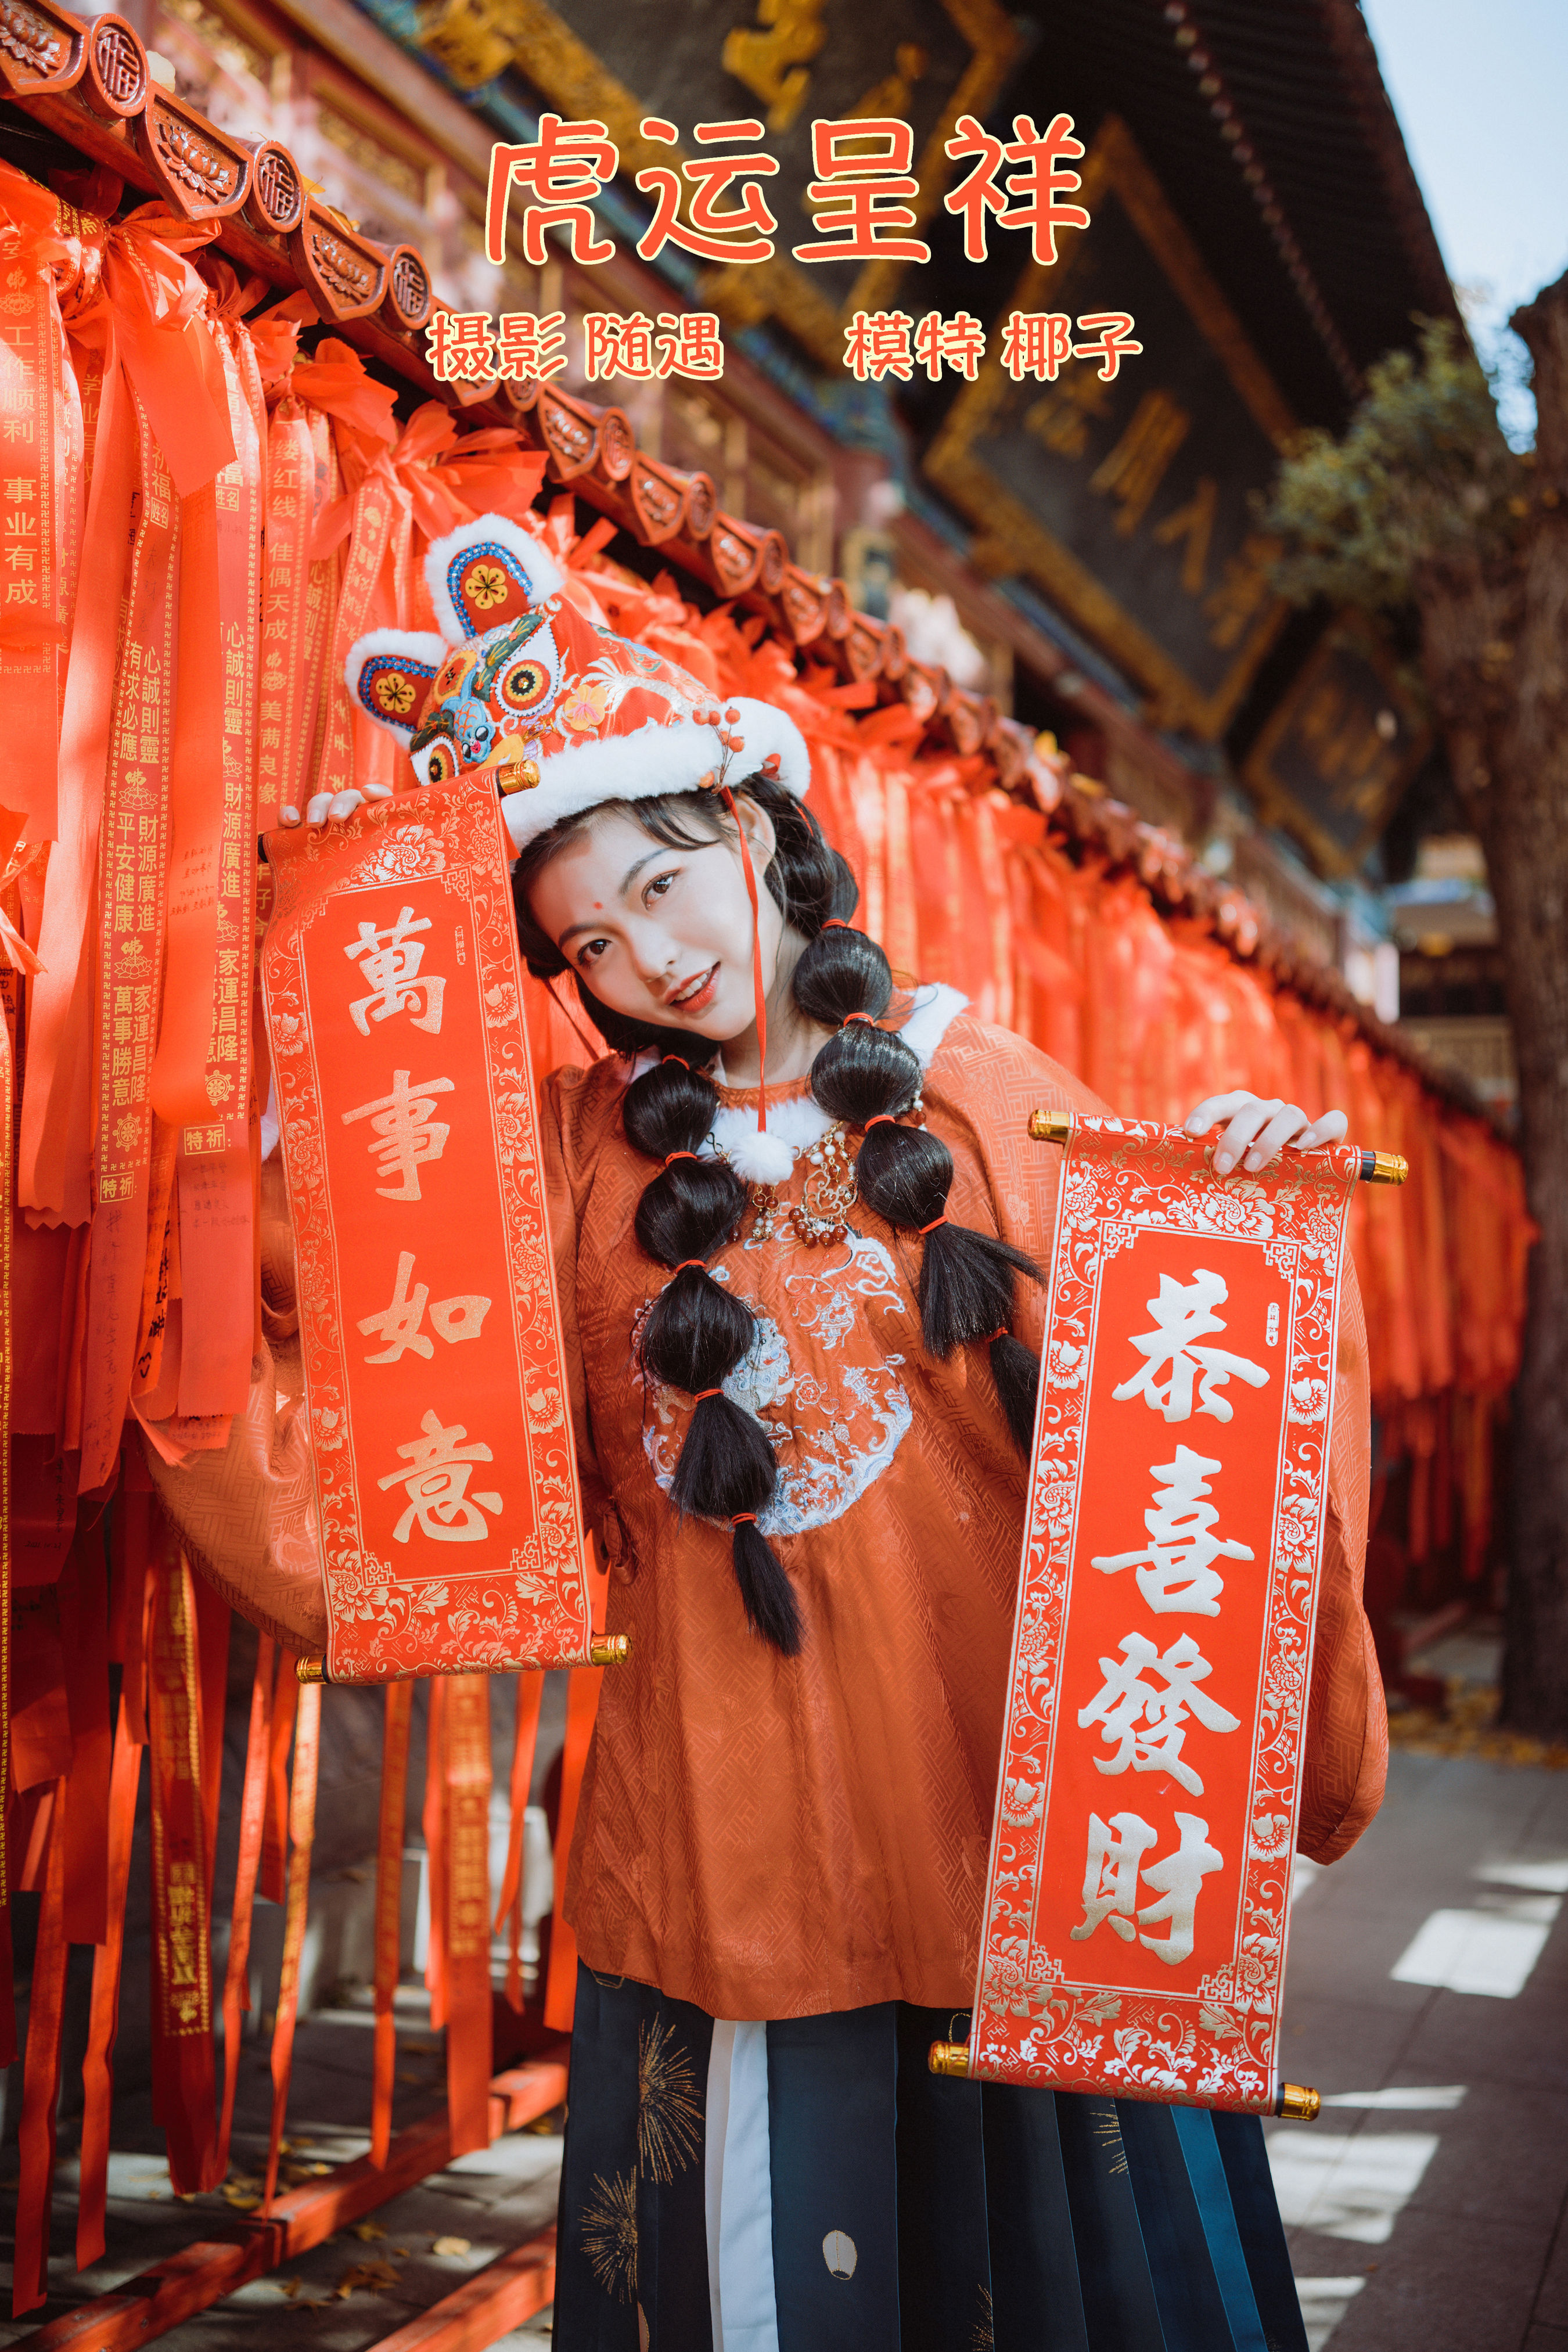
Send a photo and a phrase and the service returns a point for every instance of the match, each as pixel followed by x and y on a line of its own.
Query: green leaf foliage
pixel 1421 484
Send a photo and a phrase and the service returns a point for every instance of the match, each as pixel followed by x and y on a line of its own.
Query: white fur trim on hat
pixel 654 759
pixel 544 577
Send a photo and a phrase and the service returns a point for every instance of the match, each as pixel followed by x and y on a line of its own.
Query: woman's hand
pixel 1259 1129
pixel 324 808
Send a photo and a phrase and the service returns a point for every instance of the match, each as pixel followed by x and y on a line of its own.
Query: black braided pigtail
pixel 1016 1372
pixel 697 1332
pixel 868 1077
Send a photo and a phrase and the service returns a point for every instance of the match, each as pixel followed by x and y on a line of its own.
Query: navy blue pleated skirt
pixel 904 2213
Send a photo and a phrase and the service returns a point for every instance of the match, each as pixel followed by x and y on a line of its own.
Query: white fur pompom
pixel 760 1158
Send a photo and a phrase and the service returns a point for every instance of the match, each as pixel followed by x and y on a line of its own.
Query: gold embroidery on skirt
pixel 669 2114
pixel 610 2234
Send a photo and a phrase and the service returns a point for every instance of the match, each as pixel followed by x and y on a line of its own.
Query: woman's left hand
pixel 1259 1129
pixel 334 808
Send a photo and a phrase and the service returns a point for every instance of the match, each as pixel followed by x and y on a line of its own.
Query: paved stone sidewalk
pixel 1426 1999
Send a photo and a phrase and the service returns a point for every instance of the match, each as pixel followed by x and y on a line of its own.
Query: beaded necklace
pixel 821 1215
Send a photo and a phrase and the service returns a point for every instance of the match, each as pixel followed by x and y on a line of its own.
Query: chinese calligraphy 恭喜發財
pixel 1111 1871
pixel 1184 1313
pixel 1146 1725
pixel 406 1133
pixel 456 1319
pixel 1175 1569
pixel 435 1482
pixel 389 956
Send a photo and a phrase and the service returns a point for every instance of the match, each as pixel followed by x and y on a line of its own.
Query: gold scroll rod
pixel 603 1650
pixel 1376 1166
pixel 1295 2101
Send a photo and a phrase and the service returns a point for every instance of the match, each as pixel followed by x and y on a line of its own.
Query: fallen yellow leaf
pixel 451 2246
pixel 366 2275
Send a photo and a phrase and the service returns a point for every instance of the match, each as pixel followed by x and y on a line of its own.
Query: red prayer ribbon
pixel 98 2067
pixel 467 1788
pixel 41 2084
pixel 508 1902
pixel 302 1831
pixel 252 1825
pixel 399 1717
pixel 182 2072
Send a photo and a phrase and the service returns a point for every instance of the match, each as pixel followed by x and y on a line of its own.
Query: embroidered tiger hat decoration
pixel 522 686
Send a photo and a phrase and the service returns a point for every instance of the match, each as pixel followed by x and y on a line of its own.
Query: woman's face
pixel 663 935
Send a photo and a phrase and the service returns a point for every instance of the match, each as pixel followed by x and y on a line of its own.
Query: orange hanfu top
pixel 764 1836
pixel 773 1837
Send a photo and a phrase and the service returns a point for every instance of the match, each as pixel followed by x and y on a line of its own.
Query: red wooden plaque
pixel 439 1425
pixel 1138 1894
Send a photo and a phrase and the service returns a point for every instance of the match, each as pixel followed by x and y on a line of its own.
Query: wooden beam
pixel 489 2304
pixel 177 2288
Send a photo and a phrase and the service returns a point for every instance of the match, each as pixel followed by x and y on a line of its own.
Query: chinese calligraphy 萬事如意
pixel 389 956
pixel 435 1482
pixel 452 1319
pixel 405 1131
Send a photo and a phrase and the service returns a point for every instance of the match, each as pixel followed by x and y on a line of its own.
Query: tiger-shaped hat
pixel 563 713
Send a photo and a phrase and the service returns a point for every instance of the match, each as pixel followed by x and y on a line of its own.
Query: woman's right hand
pixel 331 808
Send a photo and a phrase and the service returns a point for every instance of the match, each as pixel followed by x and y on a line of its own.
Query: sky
pixel 1480 87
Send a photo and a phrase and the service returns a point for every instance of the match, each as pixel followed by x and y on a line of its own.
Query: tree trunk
pixel 1496 656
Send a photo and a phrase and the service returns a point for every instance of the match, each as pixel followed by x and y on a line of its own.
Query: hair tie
pixel 836 923
pixel 670 1157
pixel 858 1016
pixel 704 1394
pixel 700 1263
pixel 676 1058
pixel 935 1223
pixel 882 1119
pixel 740 1519
pixel 991 1337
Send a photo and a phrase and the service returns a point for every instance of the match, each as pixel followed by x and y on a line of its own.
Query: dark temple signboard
pixel 1338 749
pixel 784 62
pixel 1130 503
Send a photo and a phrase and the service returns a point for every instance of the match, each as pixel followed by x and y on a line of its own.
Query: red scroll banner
pixel 446 1487
pixel 1137 1899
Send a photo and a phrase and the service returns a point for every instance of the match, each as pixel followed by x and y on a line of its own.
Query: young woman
pixel 798 1225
